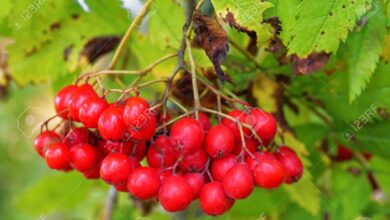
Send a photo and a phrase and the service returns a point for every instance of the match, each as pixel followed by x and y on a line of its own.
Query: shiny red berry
pixel 93 173
pixel 263 123
pixel 238 182
pixel 57 157
pixel 219 141
pixel 111 125
pixel 123 147
pixel 175 193
pixel 43 140
pixel 196 182
pixel 232 125
pixel 78 97
pixel 291 162
pixel 78 136
pixel 160 153
pixel 213 199
pixel 144 182
pixel 251 145
pixel 186 136
pixel 194 162
pixel 220 166
pixel 143 128
pixel 116 168
pixel 139 150
pixel 84 157
pixel 204 121
pixel 268 172
pixel 91 110
pixel 61 101
pixel 134 108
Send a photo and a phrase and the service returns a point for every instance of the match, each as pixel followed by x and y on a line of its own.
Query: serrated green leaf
pixel 364 49
pixel 287 11
pixel 55 26
pixel 247 14
pixel 322 24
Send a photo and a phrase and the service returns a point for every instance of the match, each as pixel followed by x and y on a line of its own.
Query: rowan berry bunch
pixel 187 157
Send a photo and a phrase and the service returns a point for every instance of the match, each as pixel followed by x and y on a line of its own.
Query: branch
pixel 236 121
pixel 125 38
pixel 110 202
pixel 193 79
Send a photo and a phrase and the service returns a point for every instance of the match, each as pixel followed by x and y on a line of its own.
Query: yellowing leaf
pixel 264 91
pixel 386 49
pixel 245 16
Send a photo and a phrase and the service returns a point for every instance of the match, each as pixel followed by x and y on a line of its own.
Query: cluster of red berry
pixel 193 160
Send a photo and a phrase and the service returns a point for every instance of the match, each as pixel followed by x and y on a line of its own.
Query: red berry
pixel 175 193
pixel 194 162
pixel 123 147
pixel 160 153
pixel 165 174
pixel 43 140
pixel 343 153
pixel 232 125
pixel 219 141
pixel 267 170
pixel 213 199
pixel 57 157
pixel 367 156
pixel 196 182
pixel 144 182
pixel 78 97
pixel 251 145
pixel 139 150
pixel 111 125
pixel 220 166
pixel 238 182
pixel 204 121
pixel 93 173
pixel 84 157
pixel 116 168
pixel 186 136
pixel 134 108
pixel 78 136
pixel 91 110
pixel 61 101
pixel 291 162
pixel 263 123
pixel 143 128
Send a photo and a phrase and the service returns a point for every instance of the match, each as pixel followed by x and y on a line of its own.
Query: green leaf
pixel 351 195
pixel 287 11
pixel 166 22
pixel 5 8
pixel 304 190
pixel 373 138
pixel 55 26
pixel 322 24
pixel 54 192
pixel 364 49
pixel 247 15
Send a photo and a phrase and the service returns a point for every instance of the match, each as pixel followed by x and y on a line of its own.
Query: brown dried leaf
pixel 213 39
pixel 182 89
pixel 310 64
pixel 99 46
